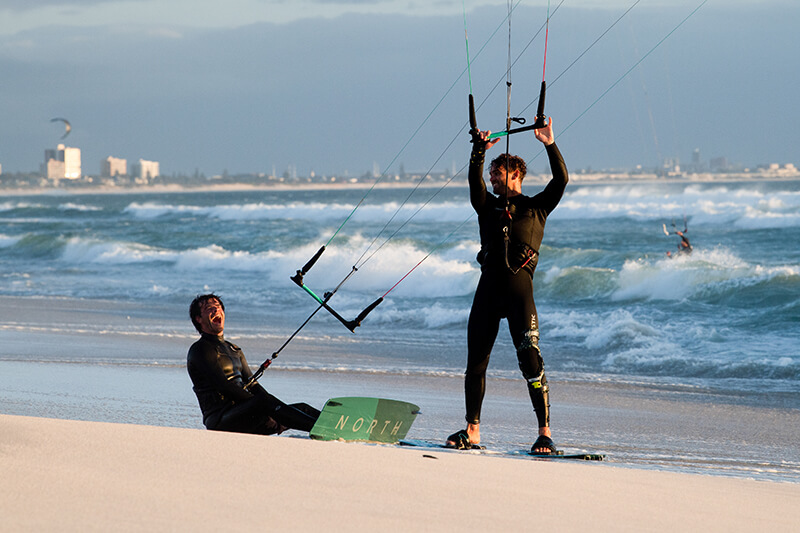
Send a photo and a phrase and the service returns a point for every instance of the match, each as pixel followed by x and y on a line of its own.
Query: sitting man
pixel 219 372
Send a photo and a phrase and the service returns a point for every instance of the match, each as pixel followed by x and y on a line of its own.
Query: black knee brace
pixel 539 393
pixel 532 367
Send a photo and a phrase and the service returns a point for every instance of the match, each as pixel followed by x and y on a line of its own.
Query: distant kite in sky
pixel 67 126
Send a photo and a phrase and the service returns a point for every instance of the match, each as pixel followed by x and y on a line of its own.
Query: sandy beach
pixel 87 476
pixel 111 442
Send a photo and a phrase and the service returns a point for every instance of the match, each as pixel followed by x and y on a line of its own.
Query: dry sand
pixel 63 475
pixel 69 475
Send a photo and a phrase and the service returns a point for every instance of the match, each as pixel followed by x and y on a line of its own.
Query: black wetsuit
pixel 684 247
pixel 219 370
pixel 505 288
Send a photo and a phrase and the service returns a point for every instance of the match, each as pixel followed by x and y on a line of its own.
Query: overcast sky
pixel 334 87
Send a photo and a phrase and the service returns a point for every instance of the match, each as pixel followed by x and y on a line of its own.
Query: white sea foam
pixel 625 341
pixel 748 208
pixel 434 316
pixel 684 275
pixel 703 205
pixel 316 211
pixel 757 219
pixel 452 273
pixel 81 250
pixel 7 241
pixel 9 205
pixel 440 275
pixel 70 206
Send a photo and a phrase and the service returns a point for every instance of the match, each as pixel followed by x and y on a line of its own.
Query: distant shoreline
pixel 575 179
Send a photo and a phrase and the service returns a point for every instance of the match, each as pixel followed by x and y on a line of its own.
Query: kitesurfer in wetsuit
pixel 511 229
pixel 219 371
pixel 683 247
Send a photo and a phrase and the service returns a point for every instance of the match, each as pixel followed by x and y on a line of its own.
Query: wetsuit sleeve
pixel 477 187
pixel 256 387
pixel 548 199
pixel 203 358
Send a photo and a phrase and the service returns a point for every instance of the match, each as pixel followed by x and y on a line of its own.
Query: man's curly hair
pixel 514 162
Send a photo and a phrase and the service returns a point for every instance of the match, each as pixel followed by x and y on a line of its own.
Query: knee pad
pixel 529 356
pixel 538 383
pixel 539 392
pixel 530 339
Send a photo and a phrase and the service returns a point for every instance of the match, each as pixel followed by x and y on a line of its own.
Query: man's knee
pixel 476 366
pixel 530 339
pixel 529 355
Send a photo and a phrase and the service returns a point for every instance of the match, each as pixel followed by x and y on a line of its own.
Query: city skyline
pixel 65 163
pixel 113 166
pixel 144 171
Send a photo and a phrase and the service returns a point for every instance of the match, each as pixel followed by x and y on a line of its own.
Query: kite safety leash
pixel 258 373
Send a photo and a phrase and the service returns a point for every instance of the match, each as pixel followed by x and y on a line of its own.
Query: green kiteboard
pixel 364 419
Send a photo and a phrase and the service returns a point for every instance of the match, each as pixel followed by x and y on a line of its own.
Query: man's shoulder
pixel 207 342
pixel 200 346
pixel 537 199
pixel 233 346
pixel 201 341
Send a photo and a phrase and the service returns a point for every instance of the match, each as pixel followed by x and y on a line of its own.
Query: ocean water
pixel 612 304
pixel 719 325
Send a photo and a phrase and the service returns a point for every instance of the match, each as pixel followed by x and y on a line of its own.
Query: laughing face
pixel 212 317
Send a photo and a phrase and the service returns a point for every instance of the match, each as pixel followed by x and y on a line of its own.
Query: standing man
pixel 219 372
pixel 511 230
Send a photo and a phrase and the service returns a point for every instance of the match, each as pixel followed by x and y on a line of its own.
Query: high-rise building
pixel 113 166
pixel 63 163
pixel 144 170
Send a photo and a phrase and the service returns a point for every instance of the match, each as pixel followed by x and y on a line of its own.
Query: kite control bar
pixel 349 324
pixel 323 302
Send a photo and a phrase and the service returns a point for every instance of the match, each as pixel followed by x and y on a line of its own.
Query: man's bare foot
pixel 543 432
pixel 473 432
